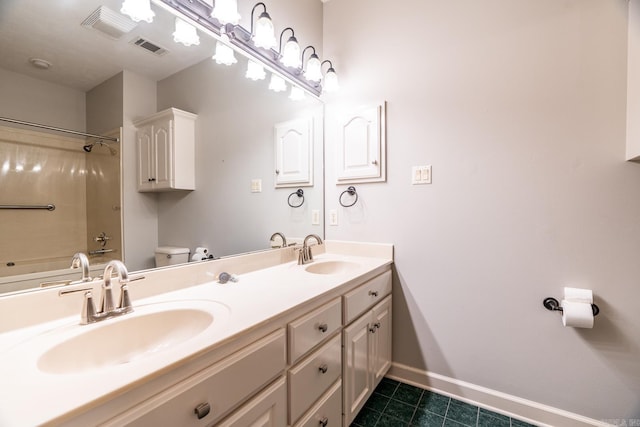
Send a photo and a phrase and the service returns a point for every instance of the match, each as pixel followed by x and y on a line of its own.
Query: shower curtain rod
pixel 37 125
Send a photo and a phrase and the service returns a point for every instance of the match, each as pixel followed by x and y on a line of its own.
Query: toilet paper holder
pixel 552 304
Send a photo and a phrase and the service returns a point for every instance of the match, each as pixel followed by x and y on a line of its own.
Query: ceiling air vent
pixel 149 46
pixel 108 22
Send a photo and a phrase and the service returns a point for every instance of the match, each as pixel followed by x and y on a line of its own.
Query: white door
pixel 144 142
pixel 163 144
pixel 381 354
pixel 357 378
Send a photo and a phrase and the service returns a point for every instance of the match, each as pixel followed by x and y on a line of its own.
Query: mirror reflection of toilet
pixel 171 255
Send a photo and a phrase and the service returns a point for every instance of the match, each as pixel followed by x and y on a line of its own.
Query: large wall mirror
pixel 102 84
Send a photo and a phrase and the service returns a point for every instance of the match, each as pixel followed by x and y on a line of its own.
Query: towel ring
pixel 352 192
pixel 298 193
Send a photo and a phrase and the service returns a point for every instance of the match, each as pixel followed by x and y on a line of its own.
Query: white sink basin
pixel 331 267
pixel 126 339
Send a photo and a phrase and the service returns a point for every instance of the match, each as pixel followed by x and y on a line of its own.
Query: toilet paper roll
pixel 202 250
pixel 577 314
pixel 198 256
pixel 578 295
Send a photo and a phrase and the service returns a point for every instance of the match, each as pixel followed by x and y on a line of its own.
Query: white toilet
pixel 171 255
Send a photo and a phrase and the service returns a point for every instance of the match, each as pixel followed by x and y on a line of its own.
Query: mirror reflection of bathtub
pixel 97 194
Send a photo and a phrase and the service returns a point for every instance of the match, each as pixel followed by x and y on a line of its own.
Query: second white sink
pixel 331 267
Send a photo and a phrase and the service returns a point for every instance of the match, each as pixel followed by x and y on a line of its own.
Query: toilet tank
pixel 171 255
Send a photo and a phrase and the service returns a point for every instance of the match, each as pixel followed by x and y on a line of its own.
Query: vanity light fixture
pixel 330 78
pixel 263 34
pixel 224 54
pixel 313 72
pixel 297 94
pixel 226 12
pixel 290 55
pixel 138 10
pixel 185 33
pixel 255 71
pixel 277 83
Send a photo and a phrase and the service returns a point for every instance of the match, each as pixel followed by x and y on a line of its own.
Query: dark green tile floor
pixel 395 404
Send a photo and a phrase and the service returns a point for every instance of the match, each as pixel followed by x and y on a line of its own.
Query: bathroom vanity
pixel 288 344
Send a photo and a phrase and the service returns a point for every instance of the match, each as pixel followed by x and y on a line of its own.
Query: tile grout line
pixel 416 407
pixel 444 419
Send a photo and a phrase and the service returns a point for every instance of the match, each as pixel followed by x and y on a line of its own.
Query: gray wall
pixel 28 99
pixel 520 108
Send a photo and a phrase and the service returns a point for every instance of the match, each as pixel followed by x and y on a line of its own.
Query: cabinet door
pixel 294 153
pixel 268 409
pixel 146 163
pixel 163 145
pixel 381 340
pixel 357 378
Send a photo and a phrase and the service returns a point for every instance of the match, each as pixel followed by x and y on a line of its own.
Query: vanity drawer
pixel 313 328
pixel 267 409
pixel 328 410
pixel 363 297
pixel 222 386
pixel 313 376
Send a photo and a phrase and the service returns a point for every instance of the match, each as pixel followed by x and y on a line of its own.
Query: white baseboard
pixel 513 406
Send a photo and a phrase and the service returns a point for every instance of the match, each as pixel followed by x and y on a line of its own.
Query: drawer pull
pixel 373 293
pixel 324 421
pixel 323 368
pixel 372 329
pixel 376 325
pixel 202 410
pixel 323 327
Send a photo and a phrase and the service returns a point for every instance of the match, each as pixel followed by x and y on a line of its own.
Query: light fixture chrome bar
pixel 57 129
pixel 49 207
pixel 240 38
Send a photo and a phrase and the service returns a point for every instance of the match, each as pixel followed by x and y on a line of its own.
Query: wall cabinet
pixel 165 144
pixel 294 153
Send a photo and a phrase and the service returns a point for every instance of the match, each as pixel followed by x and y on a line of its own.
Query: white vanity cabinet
pixel 165 144
pixel 366 341
pixel 209 395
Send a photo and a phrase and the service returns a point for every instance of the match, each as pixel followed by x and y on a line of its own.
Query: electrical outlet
pixel 333 217
pixel 256 185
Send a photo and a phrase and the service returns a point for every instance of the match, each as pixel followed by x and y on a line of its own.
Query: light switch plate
pixel 421 175
pixel 315 217
pixel 333 217
pixel 256 185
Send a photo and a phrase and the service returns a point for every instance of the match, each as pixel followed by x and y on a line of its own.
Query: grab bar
pixel 49 207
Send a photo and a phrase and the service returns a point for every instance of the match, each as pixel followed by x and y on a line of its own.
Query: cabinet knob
pixel 376 325
pixel 323 368
pixel 151 179
pixel 202 410
pixel 277 171
pixel 373 293
pixel 372 329
pixel 374 162
pixel 323 327
pixel 324 421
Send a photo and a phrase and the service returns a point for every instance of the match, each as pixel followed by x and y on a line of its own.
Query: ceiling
pixel 83 57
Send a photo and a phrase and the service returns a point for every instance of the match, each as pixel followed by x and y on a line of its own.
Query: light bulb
pixel 226 12
pixel 291 53
pixel 138 10
pixel 297 94
pixel 277 83
pixel 224 54
pixel 255 71
pixel 314 69
pixel 264 35
pixel 185 33
pixel 330 81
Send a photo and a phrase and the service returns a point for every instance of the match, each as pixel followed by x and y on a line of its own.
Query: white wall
pixel 33 100
pixel 520 108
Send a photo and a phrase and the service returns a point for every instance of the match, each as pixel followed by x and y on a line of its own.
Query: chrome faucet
pixel 305 256
pixel 284 239
pixel 80 260
pixel 107 308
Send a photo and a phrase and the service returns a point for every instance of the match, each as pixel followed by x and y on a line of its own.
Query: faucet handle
pixel 125 301
pixel 88 313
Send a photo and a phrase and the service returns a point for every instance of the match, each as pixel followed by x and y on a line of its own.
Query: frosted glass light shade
pixel 138 10
pixel 314 69
pixel 277 83
pixel 330 81
pixel 264 35
pixel 255 71
pixel 224 54
pixel 226 12
pixel 291 53
pixel 297 94
pixel 185 33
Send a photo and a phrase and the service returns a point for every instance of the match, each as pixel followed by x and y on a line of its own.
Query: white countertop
pixel 29 396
